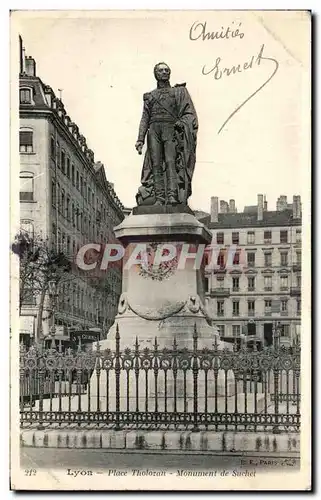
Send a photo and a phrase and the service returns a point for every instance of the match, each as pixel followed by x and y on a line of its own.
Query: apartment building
pixel 65 197
pixel 254 288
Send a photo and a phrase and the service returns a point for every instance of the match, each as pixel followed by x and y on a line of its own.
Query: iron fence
pixel 159 388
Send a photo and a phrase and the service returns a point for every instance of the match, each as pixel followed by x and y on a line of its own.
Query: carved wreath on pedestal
pixel 160 272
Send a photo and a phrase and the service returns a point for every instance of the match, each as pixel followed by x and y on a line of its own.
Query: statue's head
pixel 162 72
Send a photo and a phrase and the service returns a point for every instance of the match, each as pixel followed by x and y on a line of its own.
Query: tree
pixel 39 266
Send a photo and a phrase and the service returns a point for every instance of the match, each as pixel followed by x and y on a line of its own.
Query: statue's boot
pixel 159 186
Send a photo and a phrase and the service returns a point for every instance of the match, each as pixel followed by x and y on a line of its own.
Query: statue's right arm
pixel 144 122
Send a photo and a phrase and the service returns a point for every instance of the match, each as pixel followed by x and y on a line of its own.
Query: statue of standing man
pixel 170 122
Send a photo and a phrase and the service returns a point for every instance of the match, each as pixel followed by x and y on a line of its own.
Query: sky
pixel 103 62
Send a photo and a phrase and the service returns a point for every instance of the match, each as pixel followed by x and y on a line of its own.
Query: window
pixel 58 154
pixel 236 284
pixel 58 197
pixel 81 185
pixel 73 174
pixel 77 217
pixel 235 238
pixel 221 259
pixel 221 330
pixel 268 307
pixel 284 306
pixel 251 259
pixel 268 283
pixel 251 283
pixel 220 282
pixel 236 329
pixel 284 283
pixel 298 280
pixel 26 141
pixel 85 190
pixel 236 308
pixel 63 202
pixel 220 307
pixel 25 96
pixel 68 167
pixel 206 284
pixel 52 148
pixel 283 236
pixel 251 307
pixel 77 180
pixel 298 258
pixel 251 237
pixel 236 259
pixel 53 193
pixel 220 238
pixel 73 215
pixel 284 258
pixel 268 259
pixel 298 306
pixel 63 157
pixel 298 235
pixel 26 186
pixel 68 208
pixel 68 244
pixel 267 236
pixel 285 330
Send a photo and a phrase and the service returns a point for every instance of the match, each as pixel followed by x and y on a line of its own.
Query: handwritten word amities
pixel 198 32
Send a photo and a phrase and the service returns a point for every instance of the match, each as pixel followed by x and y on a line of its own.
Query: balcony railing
pixel 219 292
pixel 295 290
pixel 251 313
pixel 296 267
pixel 268 288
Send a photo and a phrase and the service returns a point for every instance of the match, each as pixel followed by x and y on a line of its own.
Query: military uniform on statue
pixel 170 122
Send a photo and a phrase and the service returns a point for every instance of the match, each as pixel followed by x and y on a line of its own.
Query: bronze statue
pixel 169 119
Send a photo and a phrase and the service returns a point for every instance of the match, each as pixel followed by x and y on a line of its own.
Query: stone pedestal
pixel 167 300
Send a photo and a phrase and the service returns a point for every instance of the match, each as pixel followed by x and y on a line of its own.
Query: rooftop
pixel 249 219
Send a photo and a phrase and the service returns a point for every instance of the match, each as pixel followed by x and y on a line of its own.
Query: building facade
pixel 254 281
pixel 65 197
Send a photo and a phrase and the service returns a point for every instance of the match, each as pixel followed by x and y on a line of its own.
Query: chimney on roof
pixel 30 65
pixel 260 207
pixel 232 209
pixel 214 209
pixel 265 205
pixel 224 207
pixel 296 207
pixel 282 203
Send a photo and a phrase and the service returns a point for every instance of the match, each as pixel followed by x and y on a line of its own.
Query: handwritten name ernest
pixel 218 71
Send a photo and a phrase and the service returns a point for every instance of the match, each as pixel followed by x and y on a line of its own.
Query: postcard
pixel 160 250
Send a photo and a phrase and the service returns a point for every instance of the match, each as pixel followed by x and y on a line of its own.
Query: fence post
pixel 195 380
pixel 41 373
pixel 276 429
pixel 117 378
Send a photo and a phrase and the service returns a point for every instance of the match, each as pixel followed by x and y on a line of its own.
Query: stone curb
pixel 162 440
